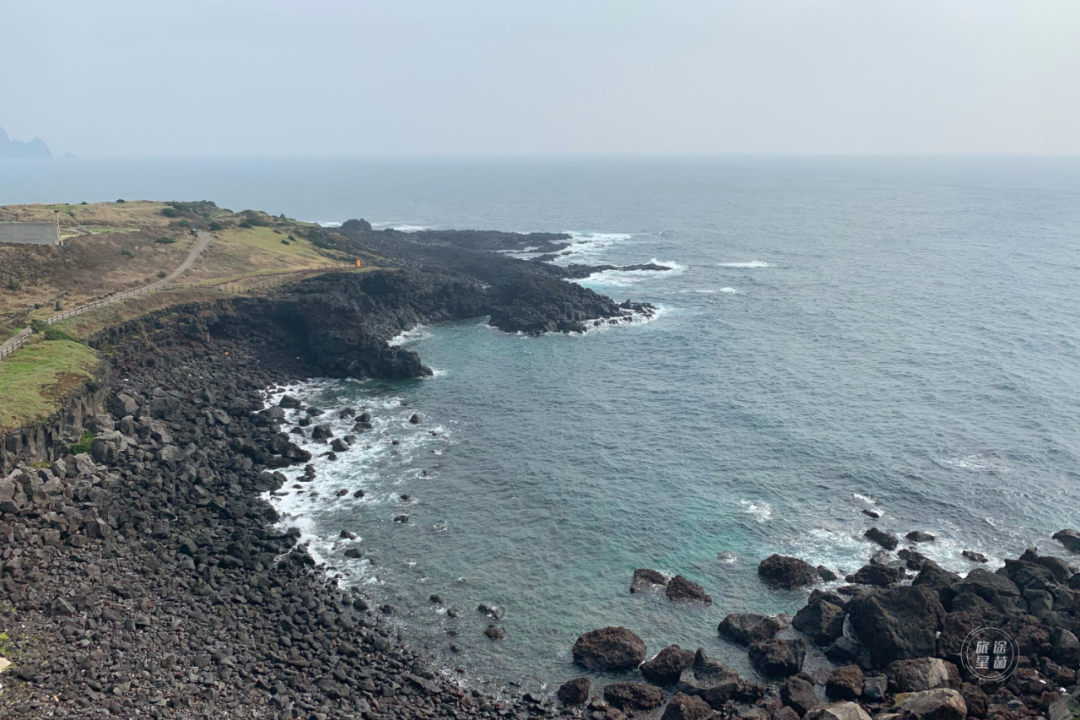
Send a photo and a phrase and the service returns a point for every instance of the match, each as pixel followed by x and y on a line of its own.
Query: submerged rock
pixel 644 579
pixel 679 588
pixel 882 538
pixel 1070 539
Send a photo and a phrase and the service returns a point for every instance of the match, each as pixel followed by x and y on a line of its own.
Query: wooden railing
pixel 15 342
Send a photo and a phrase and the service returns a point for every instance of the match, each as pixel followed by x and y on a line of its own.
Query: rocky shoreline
pixel 142 576
pixel 145 577
pixel 904 640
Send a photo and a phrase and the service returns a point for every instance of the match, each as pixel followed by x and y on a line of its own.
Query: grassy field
pixel 35 379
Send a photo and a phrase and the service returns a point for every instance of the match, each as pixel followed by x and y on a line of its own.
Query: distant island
pixel 36 148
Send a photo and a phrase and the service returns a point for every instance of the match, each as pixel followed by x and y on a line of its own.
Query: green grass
pixel 37 378
pixel 84 444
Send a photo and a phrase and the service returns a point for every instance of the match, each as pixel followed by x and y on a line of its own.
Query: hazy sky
pixel 499 77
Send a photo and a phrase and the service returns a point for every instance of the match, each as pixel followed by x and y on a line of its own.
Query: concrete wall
pixel 29 233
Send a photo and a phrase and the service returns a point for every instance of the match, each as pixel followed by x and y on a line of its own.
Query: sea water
pixel 835 335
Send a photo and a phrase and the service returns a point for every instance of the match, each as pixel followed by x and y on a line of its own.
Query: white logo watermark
pixel 989 653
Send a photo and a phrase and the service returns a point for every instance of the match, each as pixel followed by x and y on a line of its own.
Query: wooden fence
pixel 14 343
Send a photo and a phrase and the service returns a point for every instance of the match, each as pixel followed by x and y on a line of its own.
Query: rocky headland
pixel 142 575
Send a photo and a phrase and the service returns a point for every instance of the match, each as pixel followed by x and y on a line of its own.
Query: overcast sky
pixel 492 77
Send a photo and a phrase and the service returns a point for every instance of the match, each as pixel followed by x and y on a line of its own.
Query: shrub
pixel 165 240
pixel 50 332
pixel 83 446
pixel 162 275
pixel 121 200
pixel 14 285
pixel 127 253
pixel 284 241
pixel 215 226
pixel 245 224
pixel 169 212
pixel 84 203
pixel 182 223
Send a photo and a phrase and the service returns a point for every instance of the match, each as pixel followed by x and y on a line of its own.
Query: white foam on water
pixel 624 278
pixel 363 466
pixel 400 227
pixel 585 245
pixel 982 462
pixel 731 291
pixel 631 318
pixel 864 498
pixel 411 335
pixel 328 224
pixel 762 512
pixel 749 264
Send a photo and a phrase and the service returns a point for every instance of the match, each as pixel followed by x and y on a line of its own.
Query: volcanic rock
pixel 787 572
pixel 575 692
pixel 686 707
pixel 668 665
pixel 877 575
pixel 882 538
pixel 610 648
pixel 919 674
pixel 845 683
pixel 634 696
pixel 679 588
pixel 747 628
pixel 822 622
pixel 942 704
pixel 778 657
pixel 644 579
pixel 1070 539
pixel 897 623
pixel 838 711
pixel 798 694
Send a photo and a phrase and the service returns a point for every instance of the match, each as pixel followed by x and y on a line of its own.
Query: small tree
pixel 169 212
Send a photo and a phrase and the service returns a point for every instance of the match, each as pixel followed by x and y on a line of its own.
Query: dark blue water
pixel 836 335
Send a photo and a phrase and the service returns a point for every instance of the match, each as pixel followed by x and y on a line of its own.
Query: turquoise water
pixel 836 335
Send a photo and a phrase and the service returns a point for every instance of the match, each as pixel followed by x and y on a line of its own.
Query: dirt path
pixel 204 240
pixel 17 341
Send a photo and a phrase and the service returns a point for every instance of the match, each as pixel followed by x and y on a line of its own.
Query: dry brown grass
pixel 124 255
